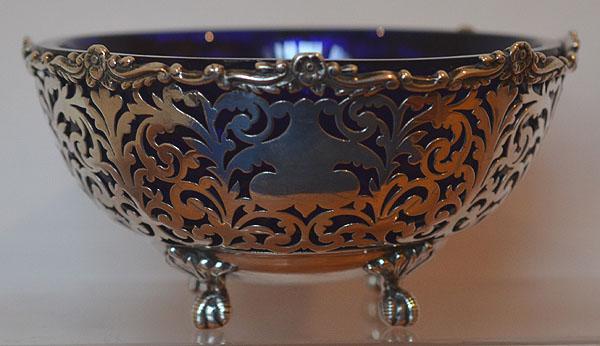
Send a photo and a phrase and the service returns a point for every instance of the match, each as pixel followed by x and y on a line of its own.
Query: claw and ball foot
pixel 211 307
pixel 397 307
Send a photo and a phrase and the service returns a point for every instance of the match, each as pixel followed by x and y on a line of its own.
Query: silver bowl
pixel 299 151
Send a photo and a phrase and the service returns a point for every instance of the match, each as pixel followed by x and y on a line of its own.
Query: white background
pixel 68 274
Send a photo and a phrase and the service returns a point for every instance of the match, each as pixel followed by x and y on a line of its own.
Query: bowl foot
pixel 211 308
pixel 397 307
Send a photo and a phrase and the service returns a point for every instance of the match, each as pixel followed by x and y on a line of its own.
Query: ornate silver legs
pixel 211 307
pixel 397 307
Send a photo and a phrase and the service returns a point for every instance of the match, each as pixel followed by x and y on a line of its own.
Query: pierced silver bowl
pixel 299 151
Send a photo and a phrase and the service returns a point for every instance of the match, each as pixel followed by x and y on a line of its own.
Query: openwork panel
pixel 256 172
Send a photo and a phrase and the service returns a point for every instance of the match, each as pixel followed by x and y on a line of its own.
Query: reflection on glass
pixel 395 335
pixel 289 48
pixel 210 337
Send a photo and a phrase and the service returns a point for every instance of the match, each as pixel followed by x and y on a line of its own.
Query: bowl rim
pixel 57 44
pixel 519 62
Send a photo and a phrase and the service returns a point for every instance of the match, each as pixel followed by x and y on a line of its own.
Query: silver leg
pixel 397 307
pixel 211 307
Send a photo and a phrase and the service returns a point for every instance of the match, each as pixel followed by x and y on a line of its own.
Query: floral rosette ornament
pixel 310 70
pixel 522 58
pixel 95 64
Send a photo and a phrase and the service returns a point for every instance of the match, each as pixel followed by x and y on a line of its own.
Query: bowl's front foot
pixel 397 307
pixel 211 307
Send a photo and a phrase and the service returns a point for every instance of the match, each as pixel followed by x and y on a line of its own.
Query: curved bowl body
pixel 326 144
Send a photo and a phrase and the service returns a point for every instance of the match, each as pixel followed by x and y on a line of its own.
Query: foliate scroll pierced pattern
pixel 316 176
